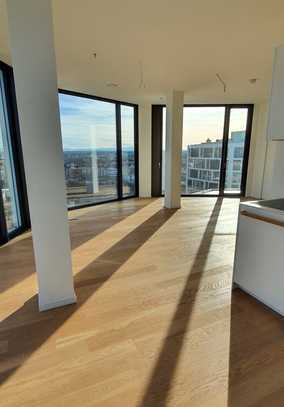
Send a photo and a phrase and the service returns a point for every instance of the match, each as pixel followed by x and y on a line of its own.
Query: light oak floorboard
pixel 156 323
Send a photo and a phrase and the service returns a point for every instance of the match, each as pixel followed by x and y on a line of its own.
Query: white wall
pixel 145 145
pixel 266 162
pixel 273 186
pixel 257 151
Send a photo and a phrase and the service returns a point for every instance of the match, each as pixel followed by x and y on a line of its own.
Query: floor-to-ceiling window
pixel 214 150
pixel 90 150
pixel 7 173
pixel 99 145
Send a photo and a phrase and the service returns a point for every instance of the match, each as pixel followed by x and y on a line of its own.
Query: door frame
pixel 157 139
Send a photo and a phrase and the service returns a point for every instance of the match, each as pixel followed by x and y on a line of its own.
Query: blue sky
pixel 88 123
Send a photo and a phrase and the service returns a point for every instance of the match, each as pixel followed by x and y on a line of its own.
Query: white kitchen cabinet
pixel 275 128
pixel 259 257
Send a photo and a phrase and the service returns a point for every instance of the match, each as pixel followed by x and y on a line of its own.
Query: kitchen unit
pixel 259 257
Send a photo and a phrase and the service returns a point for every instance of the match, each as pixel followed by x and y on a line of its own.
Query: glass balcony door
pixel 203 131
pixel 237 150
pixel 214 151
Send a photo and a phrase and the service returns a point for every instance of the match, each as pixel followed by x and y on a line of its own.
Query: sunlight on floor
pixel 152 323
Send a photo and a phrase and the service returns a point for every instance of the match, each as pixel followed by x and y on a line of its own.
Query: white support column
pixel 33 56
pixel 174 128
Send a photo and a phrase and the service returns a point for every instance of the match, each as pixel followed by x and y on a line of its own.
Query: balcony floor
pixel 155 323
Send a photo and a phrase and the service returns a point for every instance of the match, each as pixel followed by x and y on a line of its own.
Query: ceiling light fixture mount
pixel 112 85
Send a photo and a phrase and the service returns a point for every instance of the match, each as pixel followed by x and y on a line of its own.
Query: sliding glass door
pixel 214 150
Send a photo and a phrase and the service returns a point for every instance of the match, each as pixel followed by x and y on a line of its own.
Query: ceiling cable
pixel 142 84
pixel 222 81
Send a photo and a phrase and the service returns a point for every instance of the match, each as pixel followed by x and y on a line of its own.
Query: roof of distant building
pixel 236 137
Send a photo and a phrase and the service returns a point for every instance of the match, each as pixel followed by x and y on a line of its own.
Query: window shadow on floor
pixel 256 362
pixel 86 226
pixel 26 330
pixel 17 260
pixel 159 385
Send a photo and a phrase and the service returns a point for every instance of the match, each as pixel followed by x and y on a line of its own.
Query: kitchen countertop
pixel 273 208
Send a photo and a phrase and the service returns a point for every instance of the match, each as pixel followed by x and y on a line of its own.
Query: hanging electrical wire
pixel 142 84
pixel 222 82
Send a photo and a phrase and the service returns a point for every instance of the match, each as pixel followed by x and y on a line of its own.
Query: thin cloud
pixel 88 123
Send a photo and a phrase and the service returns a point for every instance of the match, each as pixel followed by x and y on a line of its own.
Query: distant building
pixel 93 173
pixel 204 162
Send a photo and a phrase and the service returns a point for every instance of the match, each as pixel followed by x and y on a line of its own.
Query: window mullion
pixel 119 151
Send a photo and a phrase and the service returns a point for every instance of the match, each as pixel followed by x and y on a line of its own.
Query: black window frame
pixel 15 139
pixel 118 105
pixel 157 129
pixel 17 155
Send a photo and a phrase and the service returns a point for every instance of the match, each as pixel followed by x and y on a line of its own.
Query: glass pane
pixel 7 176
pixel 128 156
pixel 89 145
pixel 201 150
pixel 236 143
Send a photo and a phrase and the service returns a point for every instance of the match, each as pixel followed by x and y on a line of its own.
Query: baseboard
pixel 260 300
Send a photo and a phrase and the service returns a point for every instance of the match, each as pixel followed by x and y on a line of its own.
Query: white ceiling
pixel 181 44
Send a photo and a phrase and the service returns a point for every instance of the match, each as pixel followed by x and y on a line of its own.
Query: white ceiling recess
pixel 149 47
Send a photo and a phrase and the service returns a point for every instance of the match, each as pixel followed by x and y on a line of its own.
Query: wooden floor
pixel 155 324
